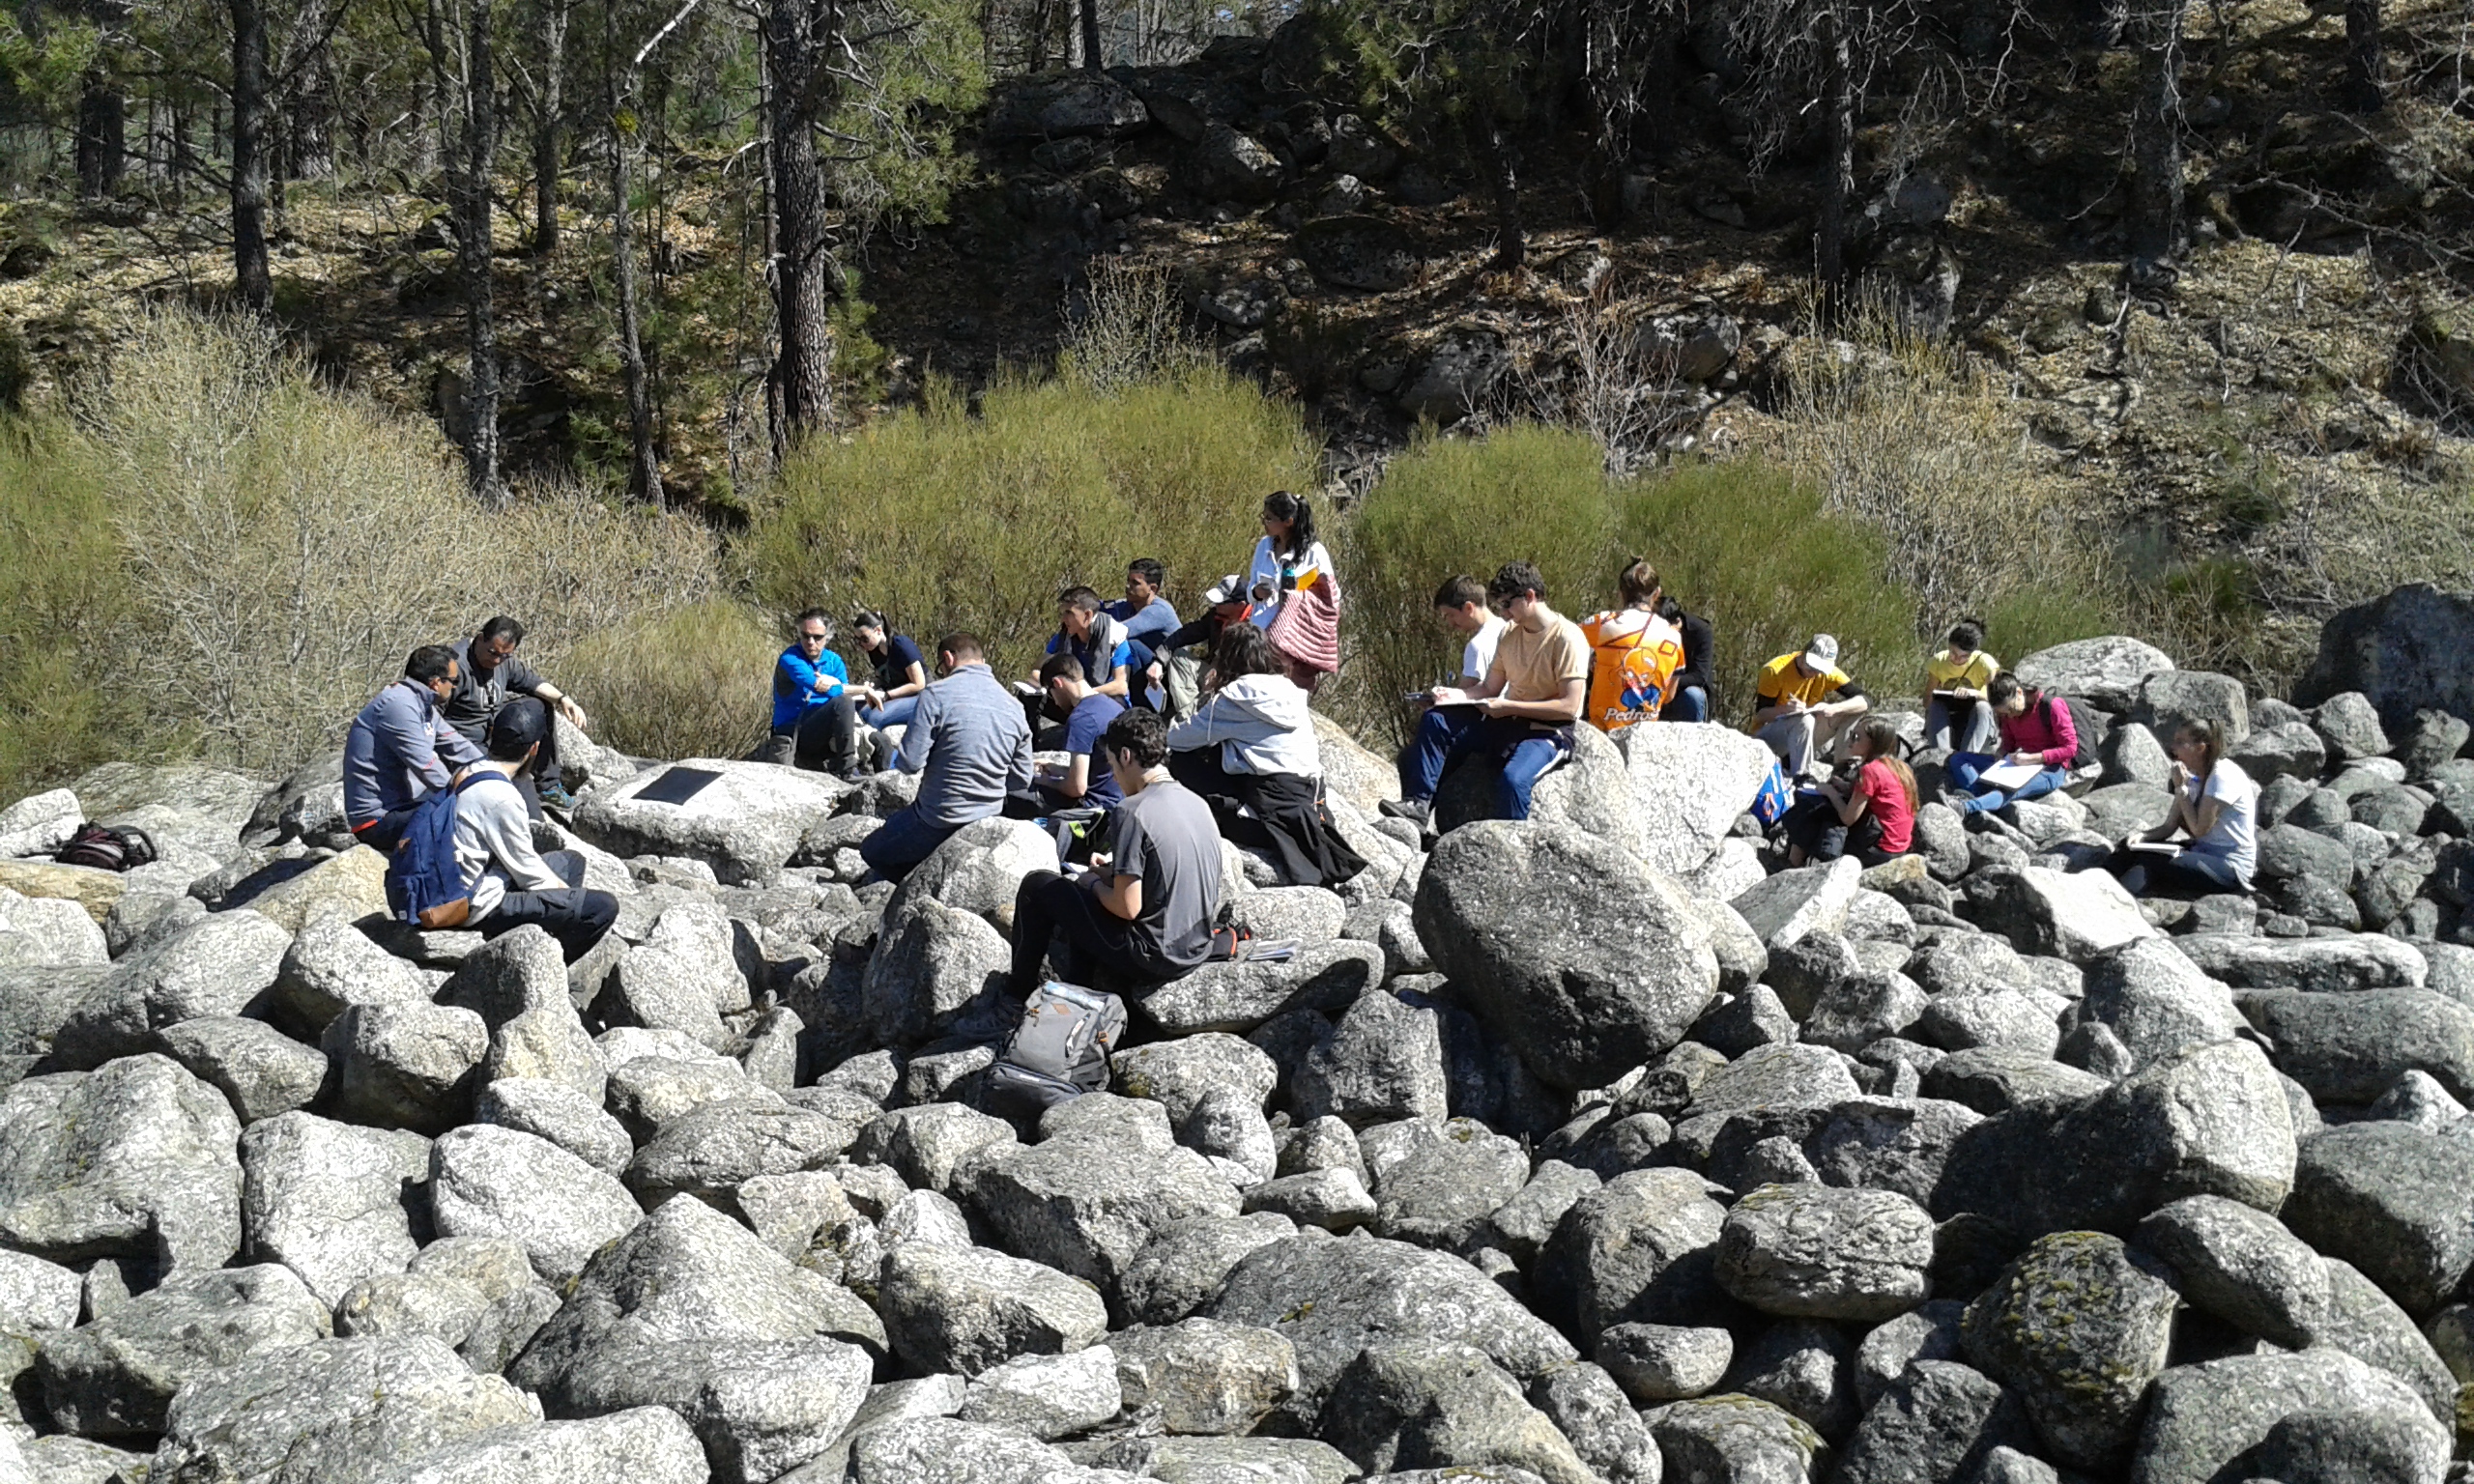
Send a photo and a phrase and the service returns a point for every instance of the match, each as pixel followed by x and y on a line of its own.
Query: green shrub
pixel 67 621
pixel 1739 542
pixel 947 519
pixel 684 682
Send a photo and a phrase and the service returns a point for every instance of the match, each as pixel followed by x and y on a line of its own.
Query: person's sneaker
pixel 1418 812
pixel 556 796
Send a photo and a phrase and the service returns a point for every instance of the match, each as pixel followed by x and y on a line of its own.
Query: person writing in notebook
pixel 1460 606
pixel 1798 716
pixel 1518 720
pixel 2038 741
pixel 1956 714
pixel 2216 807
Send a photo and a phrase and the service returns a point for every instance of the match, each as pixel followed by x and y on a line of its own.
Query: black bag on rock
pixel 105 847
pixel 1059 1052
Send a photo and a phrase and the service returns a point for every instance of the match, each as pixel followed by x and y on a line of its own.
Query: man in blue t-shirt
pixel 809 730
pixel 1148 620
pixel 1084 782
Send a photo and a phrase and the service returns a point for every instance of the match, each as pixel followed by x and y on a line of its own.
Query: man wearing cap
pixel 1795 715
pixel 511 883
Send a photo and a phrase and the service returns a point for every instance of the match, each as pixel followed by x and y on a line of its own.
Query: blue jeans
pixel 896 712
pixel 1689 704
pixel 1966 766
pixel 1970 729
pixel 902 842
pixel 1447 735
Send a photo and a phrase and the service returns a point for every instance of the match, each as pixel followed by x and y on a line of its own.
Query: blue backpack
pixel 423 883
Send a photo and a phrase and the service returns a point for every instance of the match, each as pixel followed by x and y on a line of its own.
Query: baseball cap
pixel 1823 652
pixel 1228 590
pixel 518 727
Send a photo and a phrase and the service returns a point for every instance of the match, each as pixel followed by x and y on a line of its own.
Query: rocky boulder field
pixel 1596 1149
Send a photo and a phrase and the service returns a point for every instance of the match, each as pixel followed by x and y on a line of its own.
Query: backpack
pixel 107 848
pixel 2082 724
pixel 1629 675
pixel 1059 1052
pixel 1775 798
pixel 423 882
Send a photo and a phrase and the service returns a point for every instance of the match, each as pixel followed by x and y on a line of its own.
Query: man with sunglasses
pixel 810 729
pixel 487 676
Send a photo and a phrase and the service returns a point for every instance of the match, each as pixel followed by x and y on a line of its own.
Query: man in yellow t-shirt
pixel 1797 716
pixel 1518 720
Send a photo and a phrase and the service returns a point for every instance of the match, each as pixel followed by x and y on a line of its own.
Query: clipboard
pixel 678 786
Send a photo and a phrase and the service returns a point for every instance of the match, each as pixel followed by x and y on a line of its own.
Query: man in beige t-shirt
pixel 1518 720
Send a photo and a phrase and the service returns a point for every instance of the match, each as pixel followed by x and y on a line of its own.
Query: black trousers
pixel 1094 946
pixel 1282 812
pixel 1815 825
pixel 824 740
pixel 573 915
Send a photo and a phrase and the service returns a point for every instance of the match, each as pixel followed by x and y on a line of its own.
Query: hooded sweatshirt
pixel 1262 726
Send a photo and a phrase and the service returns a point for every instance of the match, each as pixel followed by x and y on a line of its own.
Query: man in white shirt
pixel 1461 604
pixel 510 882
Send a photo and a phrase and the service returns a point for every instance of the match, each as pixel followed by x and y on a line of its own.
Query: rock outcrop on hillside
pixel 1595 1148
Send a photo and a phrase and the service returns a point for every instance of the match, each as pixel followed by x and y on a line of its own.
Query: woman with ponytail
pixel 1296 596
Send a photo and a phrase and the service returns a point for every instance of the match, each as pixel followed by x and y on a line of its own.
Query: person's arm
pixel 1121 895
pixel 921 734
pixel 453 746
pixel 1075 781
pixel 1852 700
pixel 1851 803
pixel 510 835
pixel 1563 708
pixel 1779 704
pixel 1018 776
pixel 1196 731
pixel 1116 682
pixel 916 680
pixel 804 676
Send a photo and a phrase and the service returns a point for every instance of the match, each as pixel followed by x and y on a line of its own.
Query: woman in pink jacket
pixel 2036 731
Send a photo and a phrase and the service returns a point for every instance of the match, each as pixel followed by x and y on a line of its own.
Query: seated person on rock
pixel 1142 914
pixel 812 717
pixel 1095 641
pixel 400 747
pixel 510 882
pixel 1249 752
pixel 1634 654
pixel 1795 712
pixel 1084 782
pixel 1520 720
pixel 2216 806
pixel 1689 693
pixel 1148 620
pixel 1460 606
pixel 1866 811
pixel 2036 729
pixel 488 676
pixel 902 672
pixel 972 746
pixel 1957 717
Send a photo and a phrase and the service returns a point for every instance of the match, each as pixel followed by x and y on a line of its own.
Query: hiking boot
pixel 556 796
pixel 1418 812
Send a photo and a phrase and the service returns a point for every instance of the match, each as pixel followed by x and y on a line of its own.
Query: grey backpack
pixel 1061 1050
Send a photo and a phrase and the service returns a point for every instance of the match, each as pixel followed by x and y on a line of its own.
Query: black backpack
pixel 2082 724
pixel 107 848
pixel 1059 1052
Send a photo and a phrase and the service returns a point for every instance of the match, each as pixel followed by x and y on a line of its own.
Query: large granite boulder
pixel 746 824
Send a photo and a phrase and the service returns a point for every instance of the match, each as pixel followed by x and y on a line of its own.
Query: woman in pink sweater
pixel 2037 730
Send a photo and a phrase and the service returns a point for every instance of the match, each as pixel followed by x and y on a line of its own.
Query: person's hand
pixel 2025 758
pixel 2180 778
pixel 1494 705
pixel 1792 705
pixel 574 714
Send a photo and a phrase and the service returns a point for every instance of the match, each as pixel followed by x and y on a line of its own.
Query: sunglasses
pixel 818 637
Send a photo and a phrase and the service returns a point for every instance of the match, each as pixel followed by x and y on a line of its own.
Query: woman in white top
pixel 2216 806
pixel 1249 750
pixel 1286 559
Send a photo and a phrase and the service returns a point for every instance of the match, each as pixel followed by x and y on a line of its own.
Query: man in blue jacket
pixel 401 747
pixel 809 730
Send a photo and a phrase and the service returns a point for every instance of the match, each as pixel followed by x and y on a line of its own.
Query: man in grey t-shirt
pixel 1143 914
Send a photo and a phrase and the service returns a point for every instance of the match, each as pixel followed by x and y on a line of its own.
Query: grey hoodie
pixel 1262 726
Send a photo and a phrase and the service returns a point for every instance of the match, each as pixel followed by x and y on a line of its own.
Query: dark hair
pixel 2002 688
pixel 1083 599
pixel 1513 579
pixel 1637 582
pixel 2210 737
pixel 1458 592
pixel 1967 634
pixel 1671 609
pixel 1148 568
pixel 502 627
pixel 1059 664
pixel 1242 650
pixel 1281 505
pixel 868 619
pixel 430 662
pixel 1879 737
pixel 518 729
pixel 819 615
pixel 1140 733
pixel 964 647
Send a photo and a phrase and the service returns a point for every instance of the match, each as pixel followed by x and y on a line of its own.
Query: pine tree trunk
pixel 2365 64
pixel 2156 135
pixel 547 110
pixel 1612 102
pixel 644 472
pixel 1838 152
pixel 480 299
pixel 1494 155
pixel 1091 58
pixel 102 136
pixel 309 87
pixel 251 275
pixel 798 35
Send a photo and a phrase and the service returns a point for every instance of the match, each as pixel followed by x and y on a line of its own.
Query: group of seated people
pixel 1175 734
